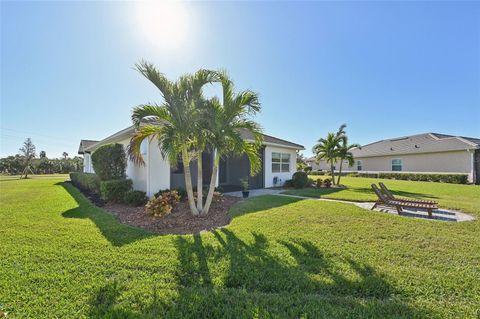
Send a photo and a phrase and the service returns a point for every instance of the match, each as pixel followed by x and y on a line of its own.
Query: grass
pixel 462 197
pixel 32 176
pixel 280 257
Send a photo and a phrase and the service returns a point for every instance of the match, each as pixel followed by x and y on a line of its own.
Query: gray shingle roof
pixel 84 144
pixel 421 143
pixel 246 135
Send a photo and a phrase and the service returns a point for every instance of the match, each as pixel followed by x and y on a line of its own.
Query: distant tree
pixel 301 163
pixel 28 153
pixel 327 149
pixel 344 153
pixel 43 154
pixel 65 155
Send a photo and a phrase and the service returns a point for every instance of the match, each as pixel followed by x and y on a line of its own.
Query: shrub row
pixel 86 181
pixel 115 190
pixel 425 177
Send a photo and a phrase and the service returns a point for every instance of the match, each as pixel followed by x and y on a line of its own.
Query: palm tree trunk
pixel 332 169
pixel 213 181
pixel 199 182
pixel 188 182
pixel 340 172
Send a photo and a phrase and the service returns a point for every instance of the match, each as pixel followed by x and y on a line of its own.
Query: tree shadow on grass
pixel 229 277
pixel 117 234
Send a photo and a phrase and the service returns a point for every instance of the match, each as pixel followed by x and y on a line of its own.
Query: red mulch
pixel 179 221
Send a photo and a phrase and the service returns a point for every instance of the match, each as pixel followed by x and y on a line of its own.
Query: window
pixel 280 162
pixel 359 165
pixel 396 165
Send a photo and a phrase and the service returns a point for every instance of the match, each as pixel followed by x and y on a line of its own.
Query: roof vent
pixel 416 146
pixel 391 148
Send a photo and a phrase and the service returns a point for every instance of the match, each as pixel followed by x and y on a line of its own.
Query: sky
pixel 386 69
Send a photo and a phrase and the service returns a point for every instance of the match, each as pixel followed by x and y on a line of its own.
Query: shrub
pixel 327 182
pixel 319 182
pixel 299 179
pixel 217 197
pixel 182 192
pixel 86 181
pixel 288 183
pixel 424 177
pixel 317 173
pixel 311 182
pixel 109 162
pixel 163 204
pixel 115 190
pixel 135 198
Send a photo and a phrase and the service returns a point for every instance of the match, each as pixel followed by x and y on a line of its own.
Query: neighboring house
pixel 425 153
pixel 278 163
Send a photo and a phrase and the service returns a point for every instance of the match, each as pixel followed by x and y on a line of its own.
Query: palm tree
pixel 174 122
pixel 327 149
pixel 65 155
pixel 344 153
pixel 225 121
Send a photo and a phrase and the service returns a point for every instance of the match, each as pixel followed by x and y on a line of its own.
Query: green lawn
pixel 61 257
pixel 462 197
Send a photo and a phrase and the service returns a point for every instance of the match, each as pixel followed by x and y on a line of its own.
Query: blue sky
pixel 386 69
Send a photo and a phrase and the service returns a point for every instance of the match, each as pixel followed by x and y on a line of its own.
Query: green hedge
pixel 86 181
pixel 115 190
pixel 300 179
pixel 135 198
pixel 424 177
pixel 110 162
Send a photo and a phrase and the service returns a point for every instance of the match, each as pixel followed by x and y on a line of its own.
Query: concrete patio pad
pixel 441 214
pixel 258 192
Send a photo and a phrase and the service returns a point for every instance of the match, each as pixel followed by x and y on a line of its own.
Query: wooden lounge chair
pixel 399 205
pixel 389 194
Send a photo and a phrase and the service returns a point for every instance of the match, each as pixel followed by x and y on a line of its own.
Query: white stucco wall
pixel 137 173
pixel 158 169
pixel 283 176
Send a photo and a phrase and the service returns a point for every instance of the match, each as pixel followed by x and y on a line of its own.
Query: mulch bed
pixel 179 221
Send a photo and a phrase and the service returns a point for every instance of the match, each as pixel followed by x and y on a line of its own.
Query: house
pixel 422 153
pixel 278 164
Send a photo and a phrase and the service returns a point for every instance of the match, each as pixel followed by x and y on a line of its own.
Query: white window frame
pixel 401 164
pixel 281 162
pixel 359 164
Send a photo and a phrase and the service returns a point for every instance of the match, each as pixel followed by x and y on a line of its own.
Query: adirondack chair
pixel 399 205
pixel 389 194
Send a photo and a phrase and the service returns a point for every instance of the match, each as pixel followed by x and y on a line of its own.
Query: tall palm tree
pixel 225 121
pixel 174 122
pixel 344 153
pixel 327 149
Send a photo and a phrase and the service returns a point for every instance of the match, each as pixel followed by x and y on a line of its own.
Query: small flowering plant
pixel 162 204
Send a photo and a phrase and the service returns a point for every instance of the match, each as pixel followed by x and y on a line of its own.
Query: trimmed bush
pixel 86 181
pixel 423 177
pixel 135 198
pixel 317 173
pixel 163 204
pixel 115 190
pixel 110 162
pixel 182 192
pixel 300 179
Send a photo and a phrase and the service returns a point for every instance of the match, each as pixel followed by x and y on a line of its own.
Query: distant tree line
pixel 26 162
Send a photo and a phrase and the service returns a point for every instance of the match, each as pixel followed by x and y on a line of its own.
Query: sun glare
pixel 163 23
